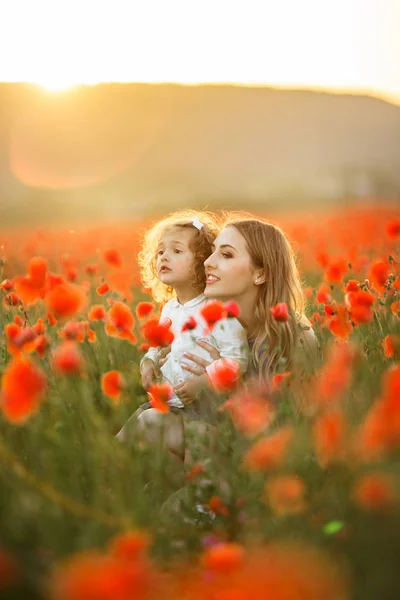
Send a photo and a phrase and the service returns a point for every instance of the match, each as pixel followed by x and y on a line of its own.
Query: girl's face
pixel 174 262
pixel 230 273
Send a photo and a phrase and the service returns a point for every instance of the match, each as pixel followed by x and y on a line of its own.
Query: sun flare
pixel 56 85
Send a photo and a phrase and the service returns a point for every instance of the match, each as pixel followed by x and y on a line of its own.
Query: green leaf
pixel 333 527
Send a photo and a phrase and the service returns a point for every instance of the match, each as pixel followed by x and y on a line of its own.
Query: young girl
pixel 172 266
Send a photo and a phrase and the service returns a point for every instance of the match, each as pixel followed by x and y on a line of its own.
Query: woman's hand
pixel 200 363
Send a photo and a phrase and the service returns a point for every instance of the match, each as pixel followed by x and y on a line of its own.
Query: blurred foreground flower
pixel 112 384
pixel 22 390
pixel 65 300
pixel 159 394
pixel 280 312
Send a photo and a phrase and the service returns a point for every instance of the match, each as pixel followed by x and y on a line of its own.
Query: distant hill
pixel 128 148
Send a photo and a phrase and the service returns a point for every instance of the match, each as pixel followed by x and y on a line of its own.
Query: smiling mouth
pixel 211 279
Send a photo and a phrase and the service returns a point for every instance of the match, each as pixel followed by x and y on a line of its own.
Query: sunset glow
pixel 349 45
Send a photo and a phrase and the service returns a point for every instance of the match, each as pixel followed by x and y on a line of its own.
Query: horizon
pixel 336 91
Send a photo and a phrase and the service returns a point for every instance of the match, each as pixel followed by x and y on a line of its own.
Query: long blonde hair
pixel 270 250
pixel 201 243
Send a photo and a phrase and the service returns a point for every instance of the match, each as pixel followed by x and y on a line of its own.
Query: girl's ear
pixel 260 278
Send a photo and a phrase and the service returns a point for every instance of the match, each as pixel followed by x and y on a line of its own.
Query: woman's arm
pixel 187 390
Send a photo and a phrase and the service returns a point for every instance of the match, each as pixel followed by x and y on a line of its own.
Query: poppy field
pixel 299 498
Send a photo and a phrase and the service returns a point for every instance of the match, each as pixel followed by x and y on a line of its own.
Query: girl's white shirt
pixel 227 335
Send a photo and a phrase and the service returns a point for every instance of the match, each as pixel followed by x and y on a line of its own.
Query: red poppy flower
pixel 269 452
pixel 143 309
pixel 339 323
pixel 11 299
pixel 379 273
pixel 65 300
pixel 113 257
pixel 71 274
pixel 217 506
pixel 213 312
pixel 323 294
pixel 336 270
pixel 352 286
pixel 91 336
pixel 250 413
pixel 330 434
pixel 74 330
pixel 224 374
pixel 6 285
pixel 223 558
pixel 391 345
pixel 232 309
pixel 280 312
pixel 157 334
pixel 393 229
pixel 37 271
pixel 103 289
pixel 23 389
pixel 130 545
pixel 39 326
pixel 359 305
pixel 97 312
pixel 91 269
pixel 24 337
pixel 120 316
pixel 52 320
pixel 322 259
pixel 159 394
pixel 143 347
pixel 67 359
pixel 120 322
pixel 41 343
pixel 190 324
pixel 53 280
pixel 280 378
pixel 329 310
pixel 334 377
pixel 376 491
pixel 285 494
pixel 195 471
pixel 92 576
pixel 112 384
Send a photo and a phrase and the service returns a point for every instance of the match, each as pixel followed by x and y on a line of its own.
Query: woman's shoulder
pixel 306 336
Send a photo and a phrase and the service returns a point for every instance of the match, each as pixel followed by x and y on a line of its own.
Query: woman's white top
pixel 227 335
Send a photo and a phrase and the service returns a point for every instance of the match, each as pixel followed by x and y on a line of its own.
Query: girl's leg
pixel 155 428
pixel 126 434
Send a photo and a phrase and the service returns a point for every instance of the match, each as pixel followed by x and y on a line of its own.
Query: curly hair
pixel 200 245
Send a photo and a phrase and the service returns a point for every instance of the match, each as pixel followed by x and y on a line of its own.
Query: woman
pixel 254 264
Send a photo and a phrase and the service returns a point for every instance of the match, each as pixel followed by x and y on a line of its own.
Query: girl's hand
pixel 201 363
pixel 163 355
pixel 149 373
pixel 187 390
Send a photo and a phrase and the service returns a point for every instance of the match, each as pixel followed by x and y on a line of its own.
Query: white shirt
pixel 227 335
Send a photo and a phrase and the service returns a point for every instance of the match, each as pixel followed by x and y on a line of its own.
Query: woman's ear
pixel 260 278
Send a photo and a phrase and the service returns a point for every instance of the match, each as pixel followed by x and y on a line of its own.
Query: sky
pixel 343 45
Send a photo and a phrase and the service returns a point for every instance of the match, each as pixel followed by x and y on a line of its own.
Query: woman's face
pixel 230 273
